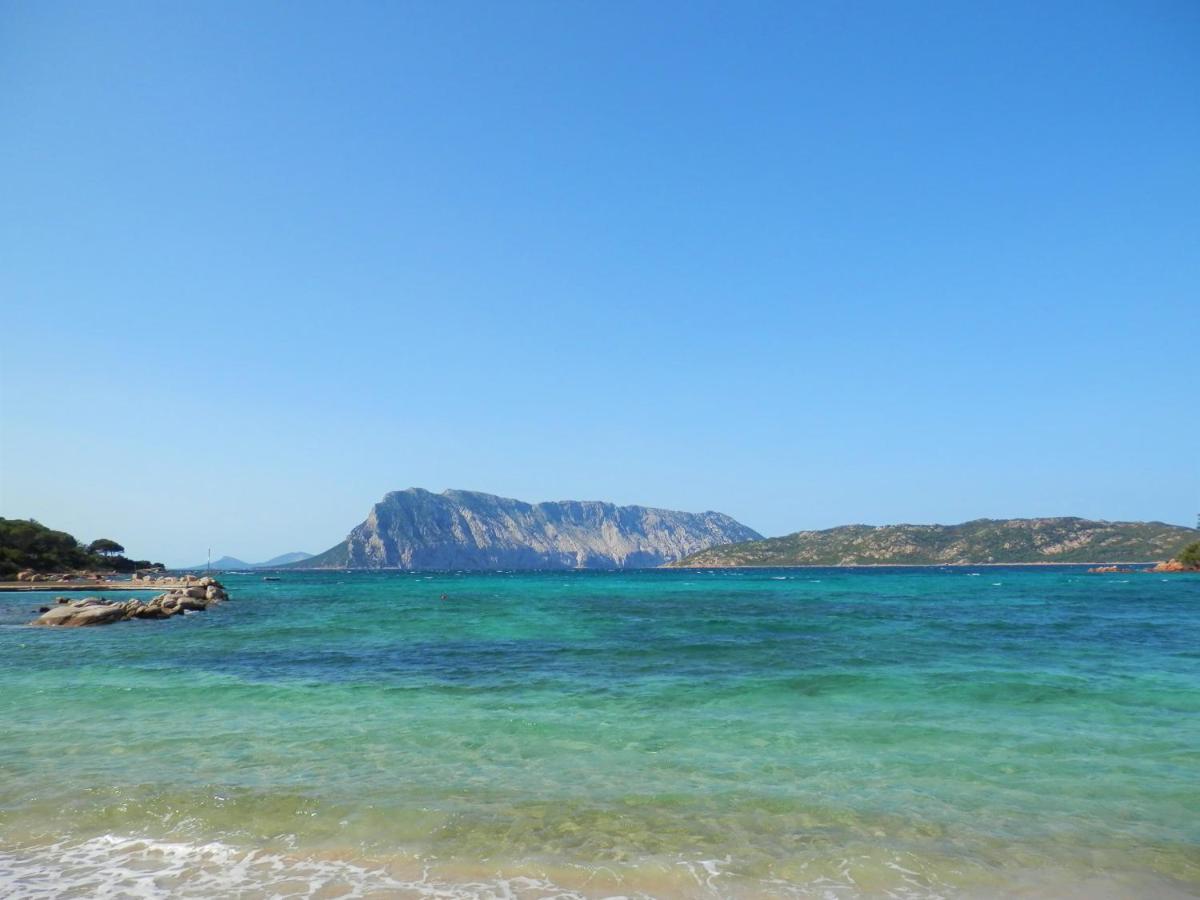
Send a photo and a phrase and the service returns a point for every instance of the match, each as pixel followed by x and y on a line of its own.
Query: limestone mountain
pixel 1052 540
pixel 417 529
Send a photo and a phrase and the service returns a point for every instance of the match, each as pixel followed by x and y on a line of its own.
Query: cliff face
pixel 416 529
pixel 1051 540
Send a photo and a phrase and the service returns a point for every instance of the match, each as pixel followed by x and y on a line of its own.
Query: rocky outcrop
pixel 28 578
pixel 195 595
pixel 1170 565
pixel 89 611
pixel 417 529
pixel 1173 565
pixel 32 577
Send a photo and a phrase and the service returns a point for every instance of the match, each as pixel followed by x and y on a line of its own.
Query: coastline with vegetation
pixel 30 549
pixel 980 542
pixel 39 559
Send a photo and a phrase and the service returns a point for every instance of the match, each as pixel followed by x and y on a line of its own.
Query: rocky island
pixel 417 529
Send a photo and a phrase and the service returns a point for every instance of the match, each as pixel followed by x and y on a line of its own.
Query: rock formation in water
pixel 194 595
pixel 417 529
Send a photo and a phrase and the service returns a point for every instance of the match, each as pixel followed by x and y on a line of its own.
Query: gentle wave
pixel 113 866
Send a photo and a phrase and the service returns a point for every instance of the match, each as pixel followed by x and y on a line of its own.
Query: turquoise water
pixel 817 732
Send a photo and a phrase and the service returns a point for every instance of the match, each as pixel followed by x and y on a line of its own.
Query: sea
pixel 826 733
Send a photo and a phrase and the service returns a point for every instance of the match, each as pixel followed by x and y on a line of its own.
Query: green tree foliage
pixel 105 547
pixel 1190 555
pixel 28 544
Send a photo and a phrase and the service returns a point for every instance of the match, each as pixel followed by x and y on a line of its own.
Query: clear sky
pixel 804 263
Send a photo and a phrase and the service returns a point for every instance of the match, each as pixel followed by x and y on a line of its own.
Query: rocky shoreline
pixel 193 595
pixel 1171 565
pixel 91 581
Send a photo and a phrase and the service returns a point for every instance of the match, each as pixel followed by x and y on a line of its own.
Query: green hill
pixel 982 541
pixel 28 544
pixel 336 557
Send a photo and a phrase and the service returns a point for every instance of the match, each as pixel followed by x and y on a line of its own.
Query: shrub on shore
pixel 1189 556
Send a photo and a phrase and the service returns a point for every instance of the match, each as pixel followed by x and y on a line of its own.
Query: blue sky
pixel 804 263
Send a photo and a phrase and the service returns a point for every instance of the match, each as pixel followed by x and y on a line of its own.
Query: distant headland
pixel 225 563
pixel 979 542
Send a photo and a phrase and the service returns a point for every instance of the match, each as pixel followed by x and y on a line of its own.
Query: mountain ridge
pixel 460 529
pixel 232 562
pixel 1062 539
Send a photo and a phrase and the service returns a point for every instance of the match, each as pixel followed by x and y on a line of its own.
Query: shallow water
pixel 816 732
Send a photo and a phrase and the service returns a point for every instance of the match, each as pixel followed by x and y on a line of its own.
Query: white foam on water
pixel 114 867
pixel 711 869
pixel 131 868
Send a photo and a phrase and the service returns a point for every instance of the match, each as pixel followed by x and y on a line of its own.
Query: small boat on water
pixel 270 578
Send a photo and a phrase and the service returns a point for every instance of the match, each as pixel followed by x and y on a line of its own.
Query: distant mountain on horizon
pixel 979 542
pixel 226 563
pixel 418 529
pixel 284 559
